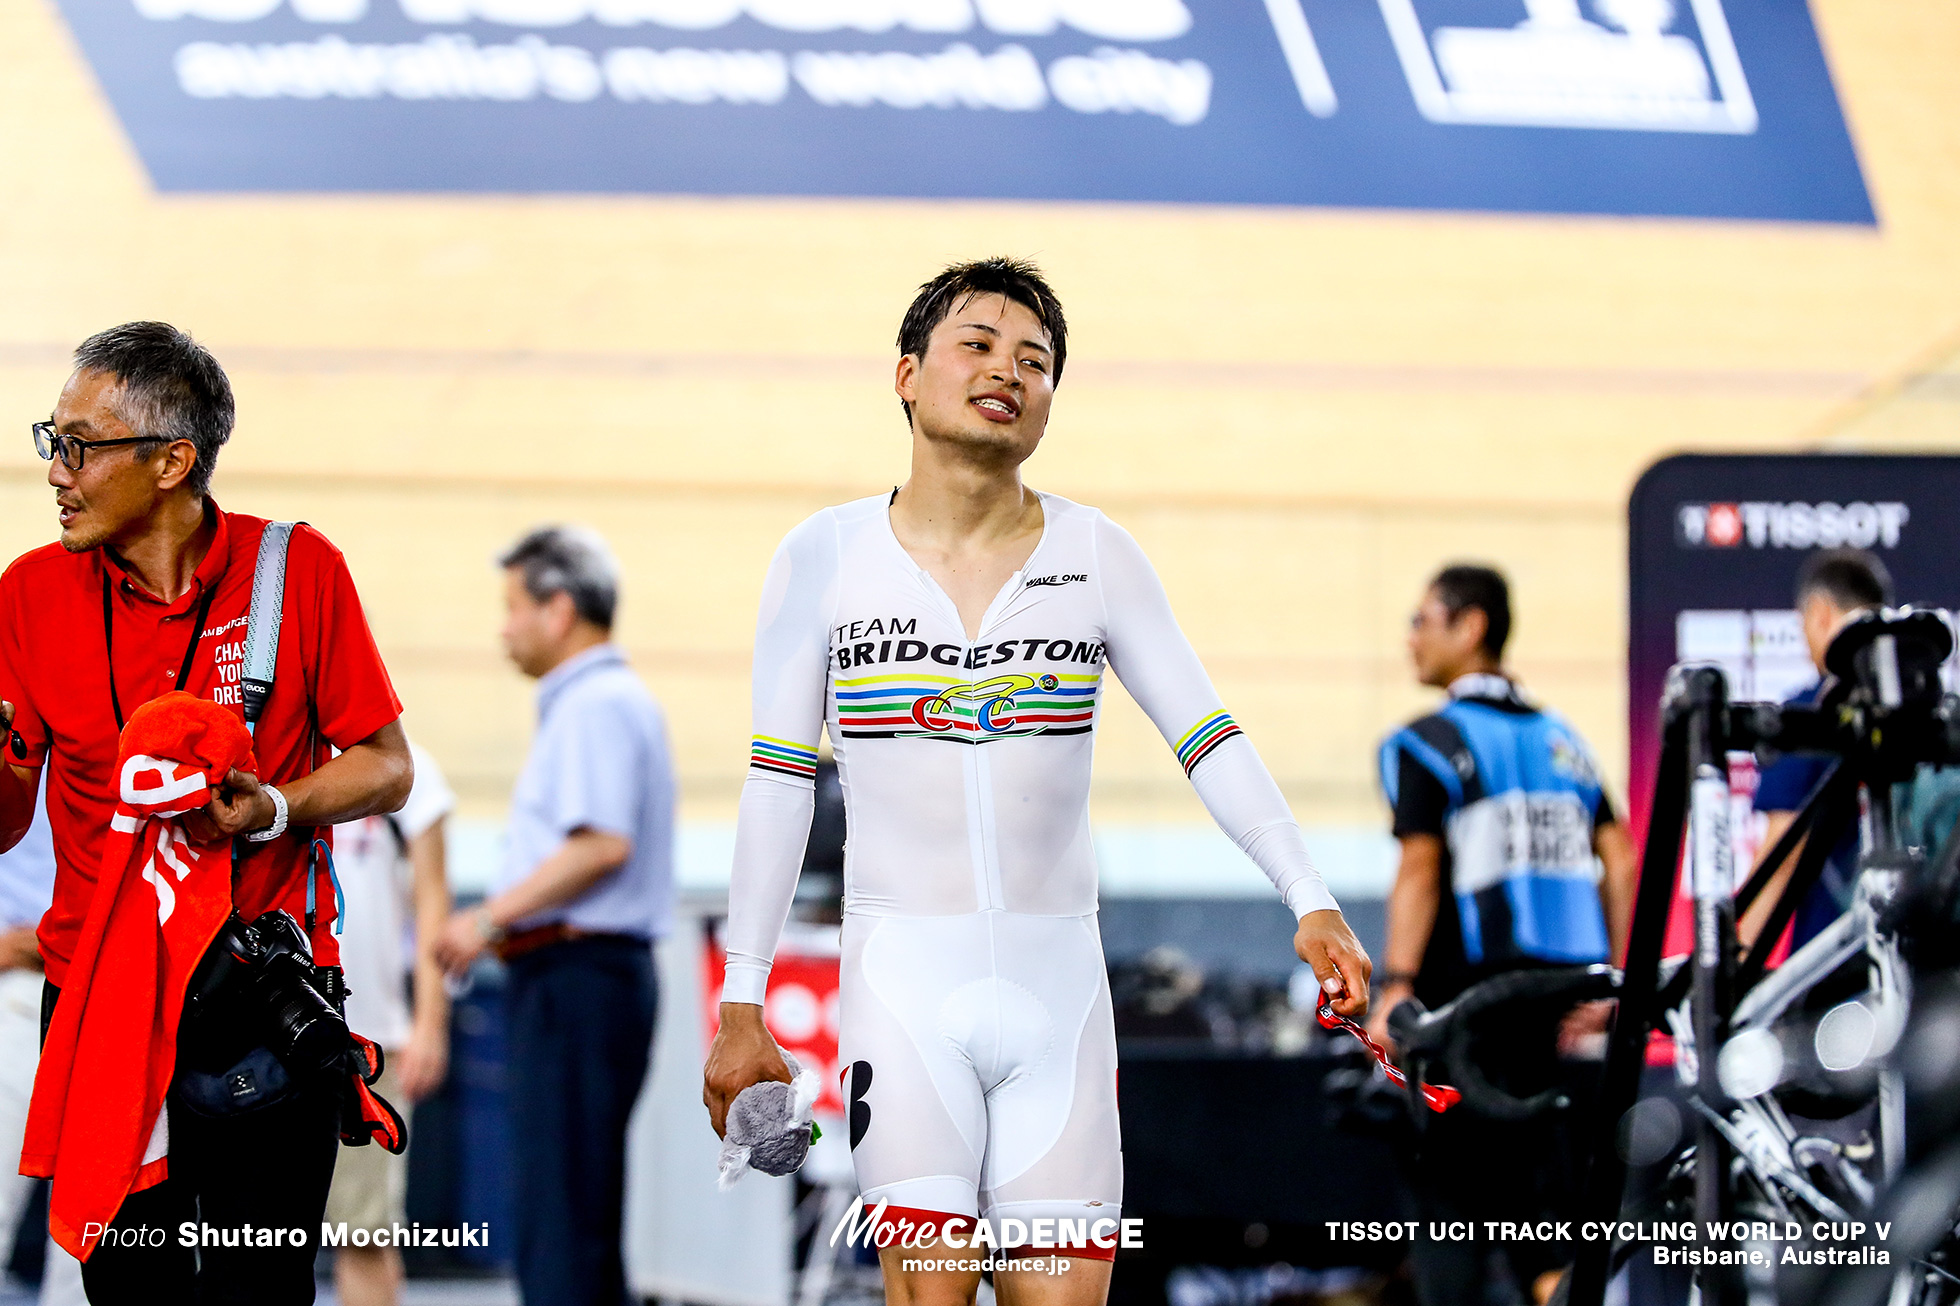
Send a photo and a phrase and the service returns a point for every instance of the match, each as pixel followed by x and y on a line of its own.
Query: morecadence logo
pixel 863 1226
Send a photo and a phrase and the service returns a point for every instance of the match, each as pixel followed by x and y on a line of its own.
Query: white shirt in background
pixel 378 884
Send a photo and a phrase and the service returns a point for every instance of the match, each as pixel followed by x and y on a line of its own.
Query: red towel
pixel 96 1123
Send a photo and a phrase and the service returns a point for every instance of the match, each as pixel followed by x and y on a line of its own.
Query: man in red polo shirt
pixel 147 592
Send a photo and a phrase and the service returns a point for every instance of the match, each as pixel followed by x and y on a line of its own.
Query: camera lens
pixel 302 1028
pixel 309 1035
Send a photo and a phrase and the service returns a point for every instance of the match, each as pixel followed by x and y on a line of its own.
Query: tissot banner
pixel 1714 546
pixel 1718 108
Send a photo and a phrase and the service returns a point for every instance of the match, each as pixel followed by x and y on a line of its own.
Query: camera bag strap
pixel 262 625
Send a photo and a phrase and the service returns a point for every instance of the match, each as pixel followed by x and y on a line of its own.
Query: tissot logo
pixel 1762 525
pixel 1059 579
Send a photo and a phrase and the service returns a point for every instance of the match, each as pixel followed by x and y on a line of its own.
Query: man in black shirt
pixel 1500 815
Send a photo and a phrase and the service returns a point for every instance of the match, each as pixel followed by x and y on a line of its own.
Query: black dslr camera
pixel 255 992
pixel 298 1016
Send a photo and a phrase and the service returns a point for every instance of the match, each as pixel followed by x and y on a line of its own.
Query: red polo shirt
pixel 329 688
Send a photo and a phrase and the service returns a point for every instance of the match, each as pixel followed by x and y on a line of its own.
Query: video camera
pixel 1884 707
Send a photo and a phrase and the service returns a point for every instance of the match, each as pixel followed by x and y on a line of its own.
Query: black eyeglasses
pixel 73 449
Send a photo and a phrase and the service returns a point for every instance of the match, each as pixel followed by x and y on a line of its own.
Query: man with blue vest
pixel 1504 829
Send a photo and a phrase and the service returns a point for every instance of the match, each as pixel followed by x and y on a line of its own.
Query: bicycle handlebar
pixel 1445 1035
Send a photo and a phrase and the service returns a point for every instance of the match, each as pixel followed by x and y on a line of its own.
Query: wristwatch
pixel 486 929
pixel 278 826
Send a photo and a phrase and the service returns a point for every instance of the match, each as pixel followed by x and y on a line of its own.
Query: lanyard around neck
pixel 109 641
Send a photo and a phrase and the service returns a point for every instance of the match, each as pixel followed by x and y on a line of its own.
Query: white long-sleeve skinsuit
pixel 975 1005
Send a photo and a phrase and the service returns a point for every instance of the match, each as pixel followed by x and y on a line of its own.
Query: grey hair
pixel 170 389
pixel 573 560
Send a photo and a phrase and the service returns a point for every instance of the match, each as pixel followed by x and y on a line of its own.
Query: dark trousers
pixel 581 1031
pixel 1472 1170
pixel 237 1177
pixel 1467 1168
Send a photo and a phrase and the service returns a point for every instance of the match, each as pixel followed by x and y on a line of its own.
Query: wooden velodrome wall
pixel 1299 413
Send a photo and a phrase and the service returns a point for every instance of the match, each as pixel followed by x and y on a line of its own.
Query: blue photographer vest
pixel 1519 826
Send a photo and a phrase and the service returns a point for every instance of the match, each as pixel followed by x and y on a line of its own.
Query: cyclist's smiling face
pixel 985 380
pixel 114 489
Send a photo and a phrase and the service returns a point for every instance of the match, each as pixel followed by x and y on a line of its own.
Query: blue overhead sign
pixel 1704 108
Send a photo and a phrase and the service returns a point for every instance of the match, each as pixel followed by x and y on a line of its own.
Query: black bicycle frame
pixel 1699 728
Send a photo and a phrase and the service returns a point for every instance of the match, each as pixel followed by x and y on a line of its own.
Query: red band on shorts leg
pixel 898 1216
pixel 1084 1251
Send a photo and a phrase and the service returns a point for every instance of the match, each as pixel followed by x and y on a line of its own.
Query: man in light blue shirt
pixel 587 885
pixel 26 889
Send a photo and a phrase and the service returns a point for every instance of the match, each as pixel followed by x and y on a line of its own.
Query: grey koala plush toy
pixel 769 1126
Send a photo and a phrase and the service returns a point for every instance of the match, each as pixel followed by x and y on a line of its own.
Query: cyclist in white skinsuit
pixel 976 1019
pixel 974 986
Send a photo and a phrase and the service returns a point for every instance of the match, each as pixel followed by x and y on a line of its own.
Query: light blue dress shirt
pixel 27 870
pixel 599 762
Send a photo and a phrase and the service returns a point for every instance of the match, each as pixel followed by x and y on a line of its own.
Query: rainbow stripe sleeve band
pixel 783 757
pixel 1205 736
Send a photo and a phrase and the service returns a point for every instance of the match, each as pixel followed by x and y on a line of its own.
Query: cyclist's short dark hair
pixel 171 389
pixel 1469 585
pixel 1849 578
pixel 1013 279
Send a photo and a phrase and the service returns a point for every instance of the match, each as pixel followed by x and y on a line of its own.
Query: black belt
pixel 546 936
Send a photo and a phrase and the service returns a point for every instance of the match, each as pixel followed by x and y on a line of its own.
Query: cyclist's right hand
pixel 743 1053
